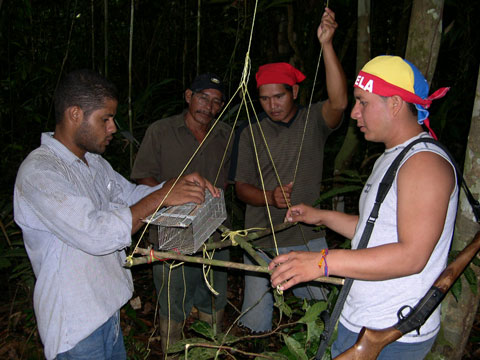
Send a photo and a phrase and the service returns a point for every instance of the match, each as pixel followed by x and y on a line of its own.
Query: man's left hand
pixel 327 27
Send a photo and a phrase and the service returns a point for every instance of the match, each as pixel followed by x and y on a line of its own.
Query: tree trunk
pixel 424 35
pixel 458 317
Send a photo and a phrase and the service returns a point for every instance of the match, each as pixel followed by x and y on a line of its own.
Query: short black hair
pixel 412 109
pixel 410 106
pixel 84 88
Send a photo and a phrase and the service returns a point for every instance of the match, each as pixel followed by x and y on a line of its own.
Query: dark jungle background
pixel 43 39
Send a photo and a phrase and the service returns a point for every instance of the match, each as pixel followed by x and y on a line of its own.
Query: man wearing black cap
pixel 165 150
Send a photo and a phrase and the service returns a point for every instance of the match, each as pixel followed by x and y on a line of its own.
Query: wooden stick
pixel 149 256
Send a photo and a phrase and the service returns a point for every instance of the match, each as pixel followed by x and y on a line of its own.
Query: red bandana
pixel 278 73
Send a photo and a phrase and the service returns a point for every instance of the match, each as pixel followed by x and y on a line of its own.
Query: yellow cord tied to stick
pixel 232 233
pixel 129 261
pixel 206 270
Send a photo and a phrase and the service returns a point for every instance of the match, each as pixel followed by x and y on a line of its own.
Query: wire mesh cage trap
pixel 184 228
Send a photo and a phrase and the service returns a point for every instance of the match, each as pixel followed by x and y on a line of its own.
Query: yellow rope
pixel 260 171
pixel 245 94
pixel 183 171
pixel 232 233
pixel 206 270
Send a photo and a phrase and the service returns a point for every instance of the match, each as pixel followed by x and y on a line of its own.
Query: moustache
pixel 206 113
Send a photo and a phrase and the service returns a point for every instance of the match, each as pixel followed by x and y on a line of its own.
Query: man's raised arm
pixel 335 77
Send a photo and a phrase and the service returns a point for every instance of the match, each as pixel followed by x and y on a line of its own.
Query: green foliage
pixel 346 183
pixel 295 347
pixel 13 256
pixel 132 315
pixel 203 328
pixel 200 353
pixel 272 355
pixel 303 337
pixel 281 304
pixel 136 350
pixel 180 345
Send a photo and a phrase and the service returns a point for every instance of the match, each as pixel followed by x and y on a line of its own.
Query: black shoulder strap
pixel 383 188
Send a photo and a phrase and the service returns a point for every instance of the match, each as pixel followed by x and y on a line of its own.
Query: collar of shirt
pixel 62 151
pixel 290 122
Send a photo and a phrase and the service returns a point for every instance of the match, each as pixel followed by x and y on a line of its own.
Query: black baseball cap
pixel 208 81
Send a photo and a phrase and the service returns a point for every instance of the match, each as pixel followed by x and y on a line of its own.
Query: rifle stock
pixel 371 342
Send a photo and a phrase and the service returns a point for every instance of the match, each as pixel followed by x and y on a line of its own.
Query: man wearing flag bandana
pixel 289 133
pixel 409 244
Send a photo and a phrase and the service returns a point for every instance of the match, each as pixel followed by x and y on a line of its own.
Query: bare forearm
pixel 335 78
pixel 378 263
pixel 336 85
pixel 341 223
pixel 150 181
pixel 188 189
pixel 252 195
pixel 145 207
pixel 372 264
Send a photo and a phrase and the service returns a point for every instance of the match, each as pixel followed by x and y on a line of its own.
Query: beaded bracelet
pixel 324 253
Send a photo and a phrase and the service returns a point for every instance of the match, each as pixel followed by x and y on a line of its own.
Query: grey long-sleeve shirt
pixel 76 222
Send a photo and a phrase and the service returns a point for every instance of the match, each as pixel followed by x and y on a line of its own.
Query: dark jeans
pixel 105 343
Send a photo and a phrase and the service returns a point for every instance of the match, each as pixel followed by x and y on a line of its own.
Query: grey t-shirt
pixel 284 141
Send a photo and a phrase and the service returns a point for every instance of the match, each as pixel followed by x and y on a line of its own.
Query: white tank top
pixel 374 304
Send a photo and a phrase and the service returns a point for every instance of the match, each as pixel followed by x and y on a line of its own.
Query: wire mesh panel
pixel 185 228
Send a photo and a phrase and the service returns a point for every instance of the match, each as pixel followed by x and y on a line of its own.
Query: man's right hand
pixel 305 214
pixel 189 188
pixel 280 200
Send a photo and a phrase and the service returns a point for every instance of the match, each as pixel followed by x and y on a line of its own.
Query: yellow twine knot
pixel 206 271
pixel 232 233
pixel 129 261
pixel 279 291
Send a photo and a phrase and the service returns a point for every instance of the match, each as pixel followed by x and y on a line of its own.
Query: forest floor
pixel 19 337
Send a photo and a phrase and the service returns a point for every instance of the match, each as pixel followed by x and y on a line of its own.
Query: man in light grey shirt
pixel 77 215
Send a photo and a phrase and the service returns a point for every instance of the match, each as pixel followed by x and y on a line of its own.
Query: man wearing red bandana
pixel 288 132
pixel 409 245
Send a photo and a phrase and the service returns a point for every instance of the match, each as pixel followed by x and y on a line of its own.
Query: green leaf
pixel 4 263
pixel 16 253
pixel 471 279
pixel 281 305
pixel 229 339
pixel 312 313
pixel 476 261
pixel 337 191
pixel 295 347
pixel 457 289
pixel 201 353
pixel 313 331
pixel 203 328
pixel 272 355
pixel 180 345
